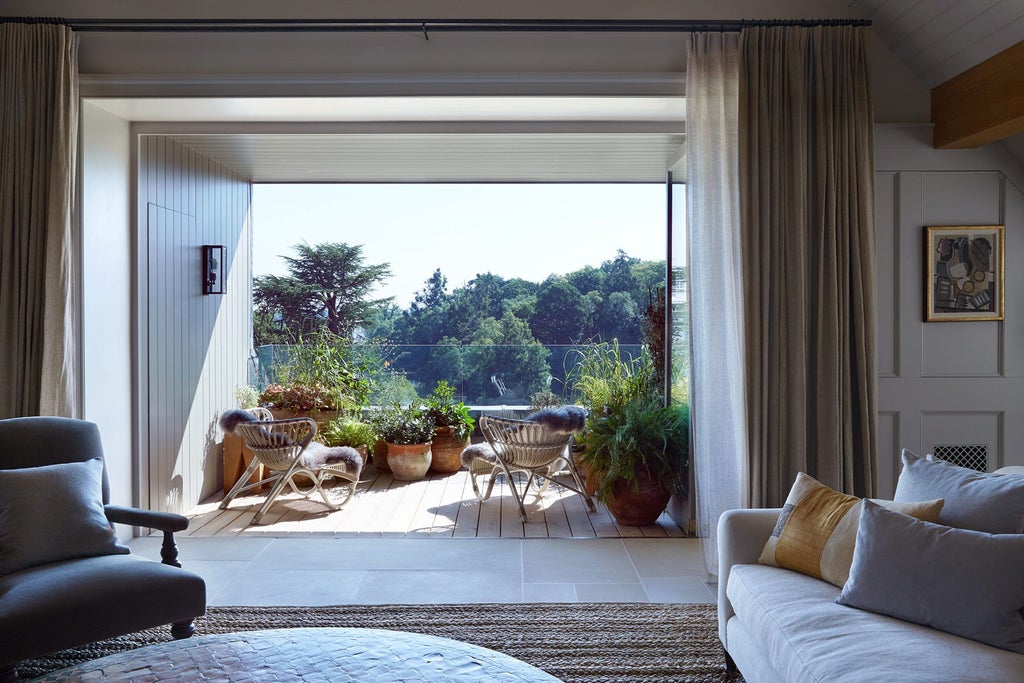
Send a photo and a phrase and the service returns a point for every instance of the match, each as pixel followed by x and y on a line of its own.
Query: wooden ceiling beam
pixel 981 105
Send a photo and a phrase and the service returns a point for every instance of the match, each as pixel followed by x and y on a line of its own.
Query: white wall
pixel 107 283
pixel 194 347
pixel 951 382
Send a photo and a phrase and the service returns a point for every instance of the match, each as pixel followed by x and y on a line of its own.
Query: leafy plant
pixel 300 397
pixel 404 424
pixel 247 396
pixel 321 371
pixel 348 431
pixel 445 411
pixel 641 435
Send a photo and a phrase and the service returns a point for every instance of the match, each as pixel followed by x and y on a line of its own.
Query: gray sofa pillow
pixel 980 501
pixel 53 513
pixel 963 582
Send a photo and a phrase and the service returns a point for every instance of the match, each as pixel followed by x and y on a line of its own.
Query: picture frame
pixel 964 272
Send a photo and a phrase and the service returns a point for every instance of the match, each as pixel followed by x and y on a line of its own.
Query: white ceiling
pixel 445 157
pixel 422 139
pixel 939 39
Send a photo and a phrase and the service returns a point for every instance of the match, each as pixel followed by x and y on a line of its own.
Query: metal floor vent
pixel 971 456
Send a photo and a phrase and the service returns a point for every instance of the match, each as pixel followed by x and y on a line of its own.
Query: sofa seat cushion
pixel 807 637
pixel 136 594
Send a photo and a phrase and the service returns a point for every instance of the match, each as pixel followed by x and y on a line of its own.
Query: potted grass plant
pixel 350 431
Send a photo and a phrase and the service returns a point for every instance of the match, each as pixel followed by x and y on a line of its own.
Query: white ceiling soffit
pixel 456 157
pixel 390 109
pixel 943 38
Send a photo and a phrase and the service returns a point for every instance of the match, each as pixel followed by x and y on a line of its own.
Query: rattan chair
pixel 528 447
pixel 281 447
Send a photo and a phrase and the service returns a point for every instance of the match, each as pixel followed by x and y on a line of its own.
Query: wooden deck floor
pixel 442 505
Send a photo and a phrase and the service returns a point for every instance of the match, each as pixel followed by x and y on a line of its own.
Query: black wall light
pixel 213 269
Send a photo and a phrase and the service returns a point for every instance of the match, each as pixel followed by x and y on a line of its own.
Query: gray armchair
pixel 82 594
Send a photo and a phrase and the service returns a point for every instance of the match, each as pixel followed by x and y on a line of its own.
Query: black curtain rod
pixel 428 25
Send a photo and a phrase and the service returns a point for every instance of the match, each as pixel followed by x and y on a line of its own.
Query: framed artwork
pixel 964 272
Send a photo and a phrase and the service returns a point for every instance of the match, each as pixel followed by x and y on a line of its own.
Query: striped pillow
pixel 817 530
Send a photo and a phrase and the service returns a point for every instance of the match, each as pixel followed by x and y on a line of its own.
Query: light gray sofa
pixel 781 626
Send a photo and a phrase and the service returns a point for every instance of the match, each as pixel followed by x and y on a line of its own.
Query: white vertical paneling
pixel 958 382
pixel 888 442
pixel 197 345
pixel 964 427
pixel 887 284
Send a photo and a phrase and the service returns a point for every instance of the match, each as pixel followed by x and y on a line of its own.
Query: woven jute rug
pixel 578 643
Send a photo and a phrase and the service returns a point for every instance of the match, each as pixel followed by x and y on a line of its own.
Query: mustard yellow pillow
pixel 817 530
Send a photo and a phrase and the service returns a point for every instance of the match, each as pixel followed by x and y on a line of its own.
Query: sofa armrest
pixel 741 536
pixel 161 521
pixel 167 522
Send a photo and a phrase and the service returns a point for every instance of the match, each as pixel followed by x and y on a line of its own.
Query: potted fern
pixel 638 456
pixel 635 448
pixel 453 427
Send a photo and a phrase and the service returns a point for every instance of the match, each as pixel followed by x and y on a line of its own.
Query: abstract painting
pixel 965 272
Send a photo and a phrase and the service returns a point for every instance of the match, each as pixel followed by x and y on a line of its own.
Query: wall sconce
pixel 213 269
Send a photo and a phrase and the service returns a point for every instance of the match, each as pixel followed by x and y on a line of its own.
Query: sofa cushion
pixel 817 530
pixel 53 513
pixel 808 637
pixel 960 581
pixel 974 500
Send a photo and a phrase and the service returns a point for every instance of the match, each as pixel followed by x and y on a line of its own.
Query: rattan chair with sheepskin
pixel 537 446
pixel 285 449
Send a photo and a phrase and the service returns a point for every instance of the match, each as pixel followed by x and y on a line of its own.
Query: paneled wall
pixel 193 347
pixel 945 385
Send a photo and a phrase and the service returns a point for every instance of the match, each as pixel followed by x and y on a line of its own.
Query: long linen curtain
pixel 807 203
pixel 716 287
pixel 38 146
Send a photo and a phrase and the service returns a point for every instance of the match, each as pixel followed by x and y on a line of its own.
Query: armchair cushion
pixel 53 513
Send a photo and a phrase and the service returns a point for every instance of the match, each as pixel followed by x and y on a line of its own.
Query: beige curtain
pixel 807 207
pixel 719 431
pixel 38 292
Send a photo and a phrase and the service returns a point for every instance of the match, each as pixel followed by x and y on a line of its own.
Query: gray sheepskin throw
pixel 561 419
pixel 230 419
pixel 317 455
pixel 481 450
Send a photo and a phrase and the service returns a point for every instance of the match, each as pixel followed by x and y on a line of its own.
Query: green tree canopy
pixel 328 286
pixel 560 316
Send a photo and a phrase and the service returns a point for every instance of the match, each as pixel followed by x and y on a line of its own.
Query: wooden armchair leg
pixel 169 551
pixel 182 629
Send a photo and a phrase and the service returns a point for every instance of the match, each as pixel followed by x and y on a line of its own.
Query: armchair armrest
pixel 162 521
pixel 167 522
pixel 741 536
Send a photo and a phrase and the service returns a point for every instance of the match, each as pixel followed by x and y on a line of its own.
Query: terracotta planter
pixel 380 456
pixel 589 478
pixel 446 450
pixel 639 507
pixel 409 462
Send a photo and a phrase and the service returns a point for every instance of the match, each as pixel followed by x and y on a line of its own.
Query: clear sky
pixel 528 231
